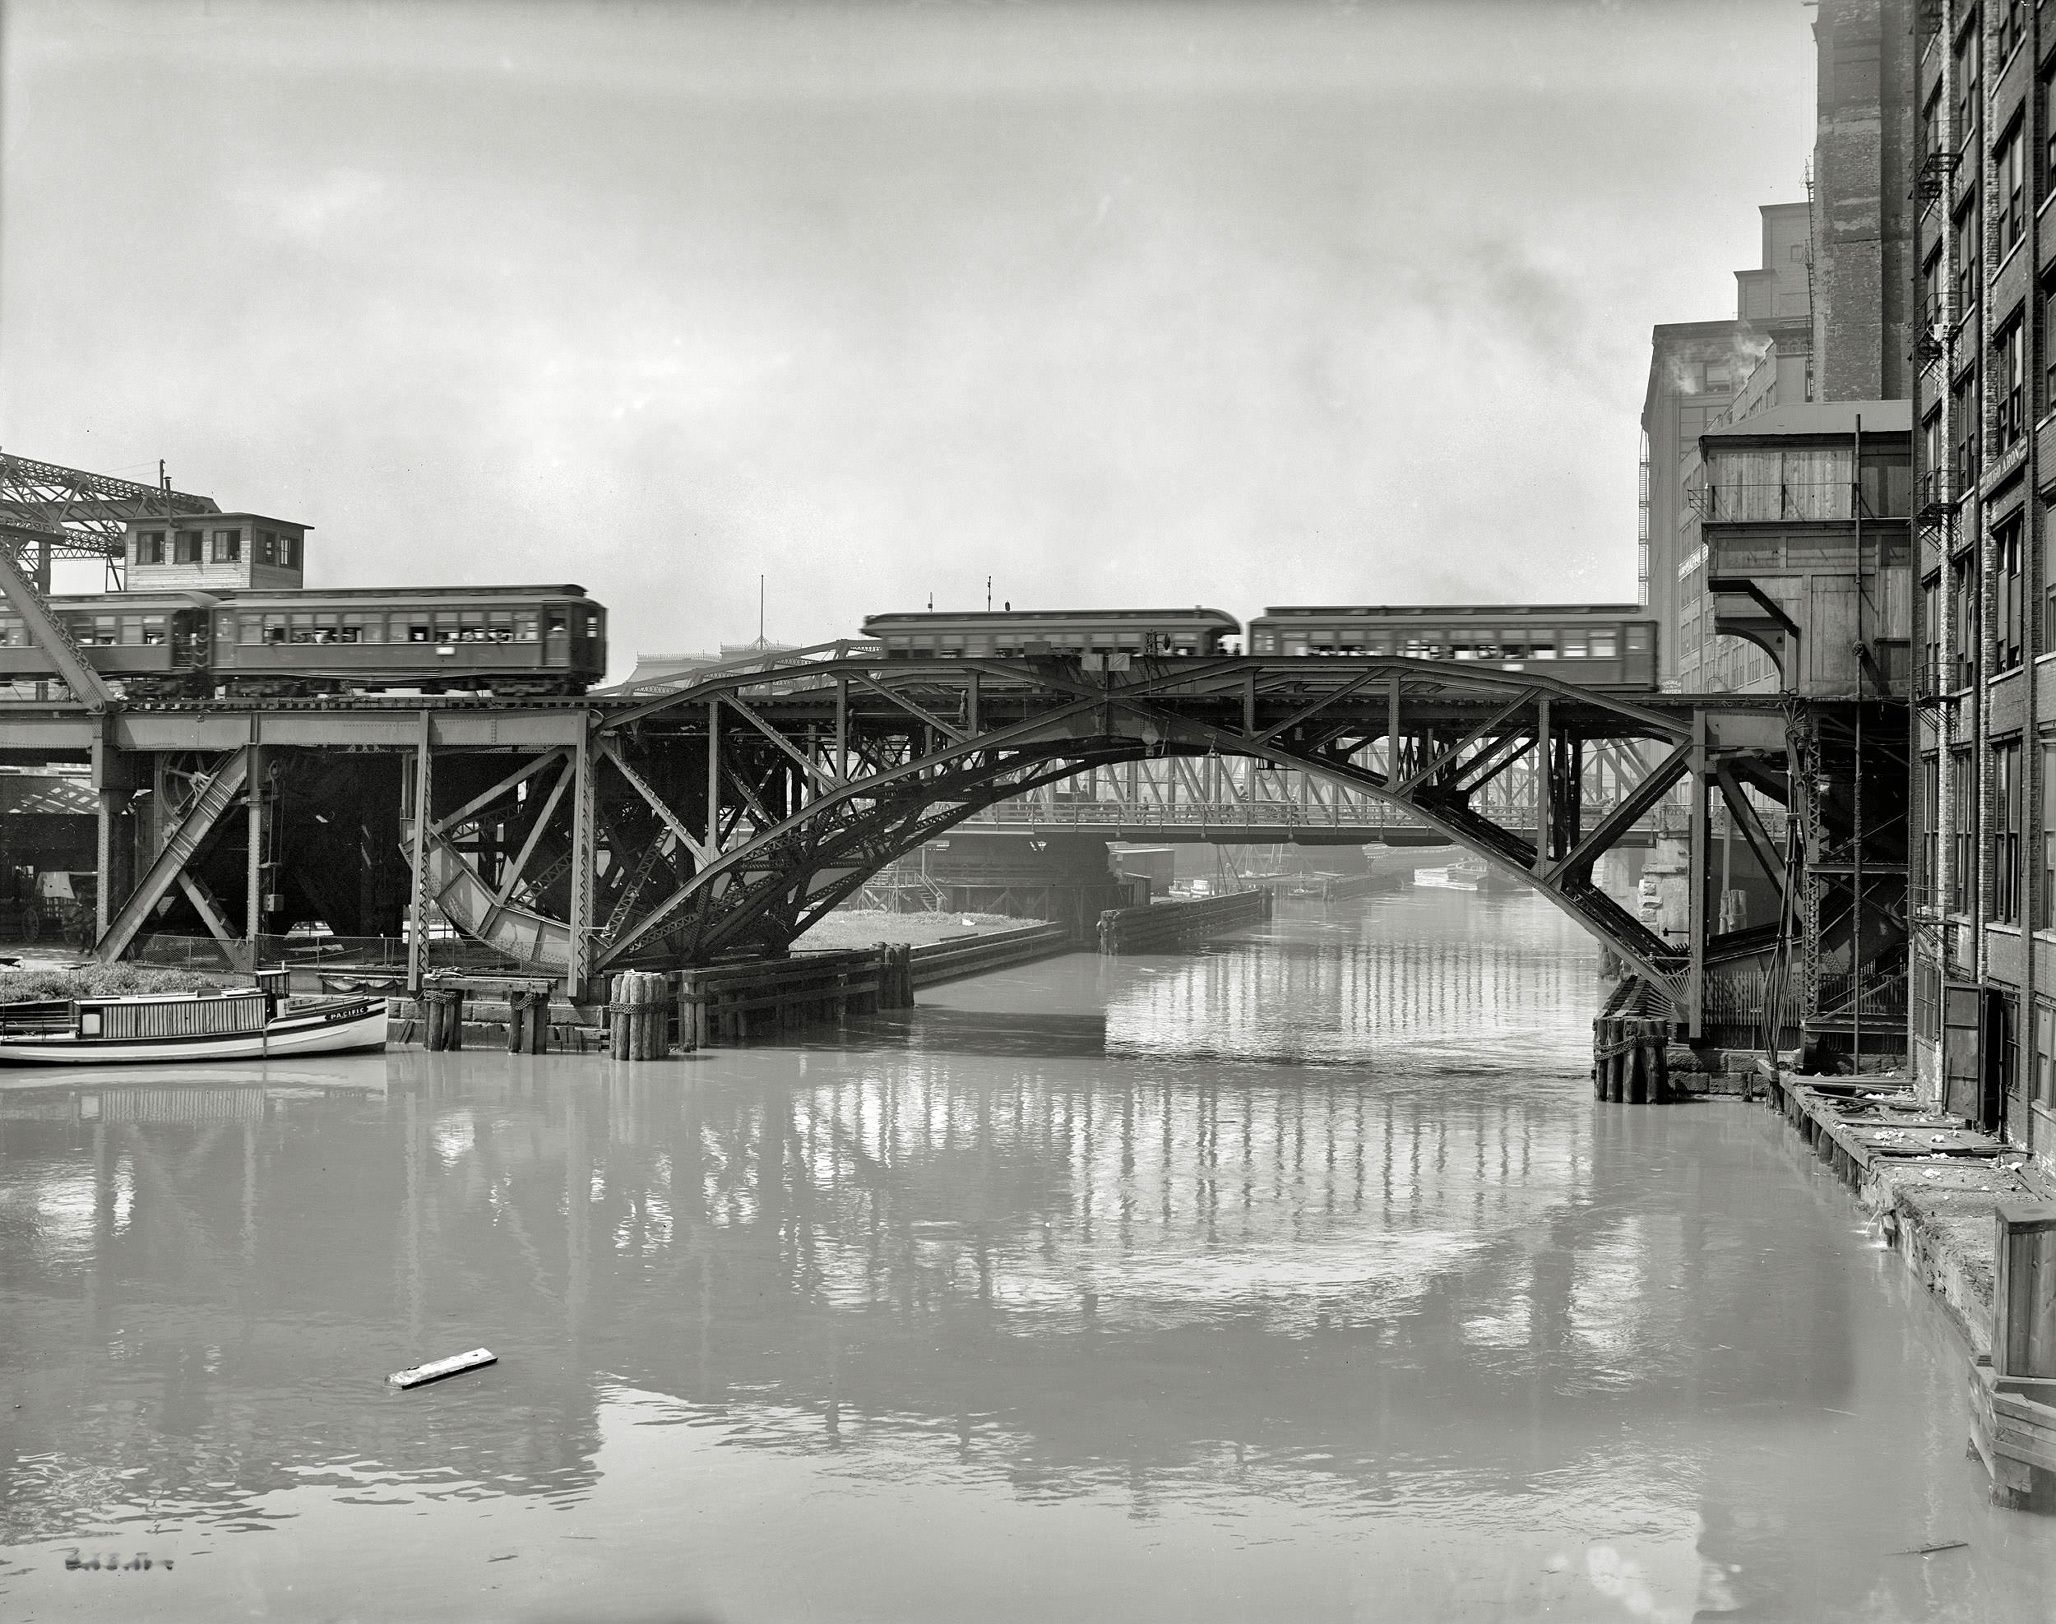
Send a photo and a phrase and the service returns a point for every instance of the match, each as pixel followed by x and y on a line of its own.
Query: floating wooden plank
pixel 435 1371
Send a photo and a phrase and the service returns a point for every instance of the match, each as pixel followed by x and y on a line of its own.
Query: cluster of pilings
pixel 443 1000
pixel 1630 1048
pixel 639 1010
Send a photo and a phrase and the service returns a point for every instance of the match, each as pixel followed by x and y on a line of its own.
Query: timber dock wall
pixel 1166 926
pixel 750 1001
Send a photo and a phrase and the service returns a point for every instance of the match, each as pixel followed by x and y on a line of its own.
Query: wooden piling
pixel 528 1022
pixel 444 1007
pixel 639 1006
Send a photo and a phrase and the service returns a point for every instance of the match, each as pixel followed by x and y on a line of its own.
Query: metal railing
pixel 1787 500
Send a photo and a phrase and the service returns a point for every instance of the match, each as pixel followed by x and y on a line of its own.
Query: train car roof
pixel 162 595
pixel 429 594
pixel 1445 611
pixel 1006 616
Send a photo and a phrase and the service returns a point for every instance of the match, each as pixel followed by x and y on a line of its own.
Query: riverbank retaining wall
pixel 1166 926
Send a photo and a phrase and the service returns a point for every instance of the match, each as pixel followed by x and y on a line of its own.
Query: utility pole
pixel 988 594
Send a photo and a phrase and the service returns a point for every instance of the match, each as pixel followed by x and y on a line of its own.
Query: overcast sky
pixel 1133 304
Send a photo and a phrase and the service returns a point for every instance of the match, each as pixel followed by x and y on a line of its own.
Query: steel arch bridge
pixel 727 812
pixel 724 813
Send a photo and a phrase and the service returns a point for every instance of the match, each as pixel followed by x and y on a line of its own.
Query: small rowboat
pixel 154 1029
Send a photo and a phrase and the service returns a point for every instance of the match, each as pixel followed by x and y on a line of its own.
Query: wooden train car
pixel 1609 645
pixel 502 639
pixel 152 642
pixel 523 640
pixel 1050 632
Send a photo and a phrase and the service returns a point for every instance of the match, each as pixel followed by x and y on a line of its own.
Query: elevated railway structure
pixel 51 512
pixel 726 813
pixel 723 811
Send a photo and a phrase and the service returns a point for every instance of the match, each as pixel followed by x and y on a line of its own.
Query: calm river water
pixel 1299 1278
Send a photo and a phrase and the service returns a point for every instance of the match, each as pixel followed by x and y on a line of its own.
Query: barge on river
pixel 156 1029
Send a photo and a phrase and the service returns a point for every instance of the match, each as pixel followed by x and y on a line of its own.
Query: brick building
pixel 1983 285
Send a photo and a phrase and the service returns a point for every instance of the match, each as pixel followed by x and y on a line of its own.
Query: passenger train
pixel 1598 645
pixel 216 604
pixel 286 642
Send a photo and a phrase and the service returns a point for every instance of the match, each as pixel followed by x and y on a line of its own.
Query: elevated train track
pixel 770 791
pixel 722 812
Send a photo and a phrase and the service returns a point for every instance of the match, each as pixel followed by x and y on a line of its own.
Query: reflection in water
pixel 1298 1276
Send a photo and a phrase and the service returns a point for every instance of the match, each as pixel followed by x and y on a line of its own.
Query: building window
pixel 150 547
pixel 2011 26
pixel 2006 808
pixel 228 546
pixel 2009 165
pixel 2046 915
pixel 1962 623
pixel 188 547
pixel 2009 387
pixel 2049 359
pixel 1965 266
pixel 2006 588
pixel 1963 456
pixel 2045 1053
pixel 1967 54
pixel 1929 878
pixel 1931 635
pixel 2048 101
pixel 1963 829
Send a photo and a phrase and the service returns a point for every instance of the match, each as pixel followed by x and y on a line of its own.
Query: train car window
pixel 524 625
pixel 557 625
pixel 952 645
pixel 1184 643
pixel 924 644
pixel 1606 644
pixel 153 631
pixel 977 643
pixel 1295 645
pixel 228 547
pixel 292 552
pixel 500 626
pixel 189 547
pixel 150 547
pixel 1541 644
pixel 132 630
pixel 1573 644
pixel 1638 639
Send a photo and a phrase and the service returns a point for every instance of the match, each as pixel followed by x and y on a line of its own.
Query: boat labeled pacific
pixel 156 1029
